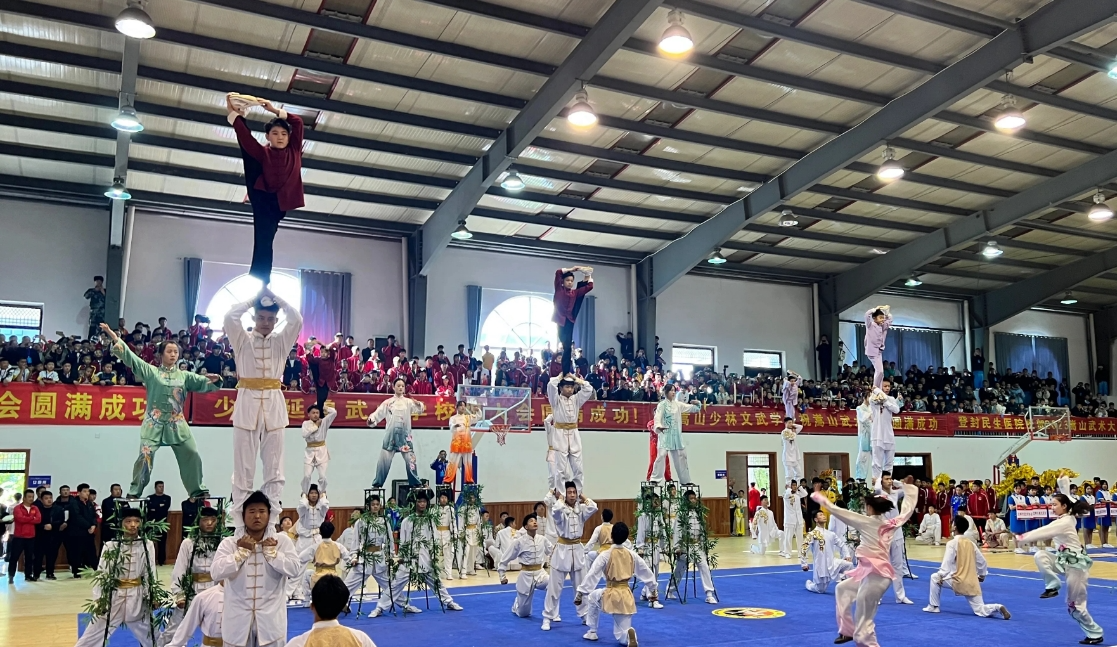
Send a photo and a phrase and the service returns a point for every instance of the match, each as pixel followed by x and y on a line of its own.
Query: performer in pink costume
pixel 873 574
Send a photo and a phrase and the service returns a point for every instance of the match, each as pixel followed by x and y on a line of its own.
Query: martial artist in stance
pixel 669 425
pixel 461 443
pixel 204 613
pixel 530 550
pixel 828 567
pixel 317 457
pixel 371 554
pixel 877 322
pixel 190 576
pixel 1071 559
pixel 889 490
pixel 792 453
pixel 416 538
pixel 792 536
pixel 260 415
pixel 764 527
pixel 255 564
pixel 599 538
pixel 883 437
pixel 618 566
pixel 567 394
pixel 449 529
pixel 693 526
pixel 129 604
pixel 569 557
pixel 313 509
pixel 874 573
pixel 397 411
pixel 568 302
pixel 790 395
pixel 963 568
pixel 327 557
pixel 930 529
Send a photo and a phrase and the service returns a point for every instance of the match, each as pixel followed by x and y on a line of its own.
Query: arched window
pixel 522 321
pixel 243 288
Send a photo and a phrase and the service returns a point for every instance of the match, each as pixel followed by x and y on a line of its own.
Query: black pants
pixel 161 549
pixel 80 552
pixel 566 338
pixel 18 546
pixel 322 392
pixel 266 215
pixel 46 552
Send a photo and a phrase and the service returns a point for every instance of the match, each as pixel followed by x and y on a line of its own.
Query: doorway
pixel 744 468
pixel 914 465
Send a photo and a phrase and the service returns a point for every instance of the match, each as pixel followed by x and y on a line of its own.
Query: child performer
pixel 569 559
pixel 827 568
pixel 996 535
pixel 1034 500
pixel 669 426
pixel 327 557
pixel 792 453
pixel 1089 522
pixel 864 467
pixel 740 512
pixel 618 565
pixel 930 529
pixel 792 535
pixel 448 530
pixel 313 509
pixel 396 411
pixel 790 393
pixel 204 613
pixel 1104 509
pixel 1016 502
pixel 128 603
pixel 530 549
pixel 764 527
pixel 568 301
pixel 1071 560
pixel 567 393
pixel 874 573
pixel 877 322
pixel 272 174
pixel 692 525
pixel 190 576
pixel 317 457
pixel 371 554
pixel 883 436
pixel 963 568
pixel 599 538
pixel 328 599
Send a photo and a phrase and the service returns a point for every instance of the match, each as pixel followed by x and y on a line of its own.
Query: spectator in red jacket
pixel 22 541
pixel 977 503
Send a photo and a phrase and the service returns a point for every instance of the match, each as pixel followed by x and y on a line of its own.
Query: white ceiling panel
pixel 646 70
pixel 59 76
pixel 60 36
pixel 227 24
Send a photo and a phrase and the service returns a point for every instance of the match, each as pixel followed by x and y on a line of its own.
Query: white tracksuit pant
pixel 449 552
pixel 1077 578
pixel 899 565
pixel 792 538
pixel 621 621
pixel 566 467
pixel 883 458
pixel 938 581
pixel 681 565
pixel 358 575
pixel 554 591
pixel 248 444
pixel 678 460
pixel 94 634
pixel 316 457
pixel 527 584
pixel 859 623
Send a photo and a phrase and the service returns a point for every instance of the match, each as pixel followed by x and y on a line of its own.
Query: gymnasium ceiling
pixel 403 96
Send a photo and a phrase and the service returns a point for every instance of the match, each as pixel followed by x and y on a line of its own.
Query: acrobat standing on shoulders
pixel 669 426
pixel 396 413
pixel 790 395
pixel 877 322
pixel 792 453
pixel 317 457
pixel 567 393
pixel 568 302
pixel 883 406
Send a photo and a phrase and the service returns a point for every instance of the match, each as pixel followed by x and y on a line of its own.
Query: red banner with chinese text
pixel 30 404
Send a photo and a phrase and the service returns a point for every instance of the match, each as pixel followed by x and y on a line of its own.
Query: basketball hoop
pixel 1062 438
pixel 501 432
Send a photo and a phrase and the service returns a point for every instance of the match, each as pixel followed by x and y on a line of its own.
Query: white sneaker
pixel 546 625
pixel 632 638
pixel 938 543
pixel 710 599
pixel 1020 551
pixel 1107 545
pixel 1033 550
pixel 904 601
pixel 913 576
pixel 375 613
pixel 410 608
pixel 656 604
pixel 930 609
pixel 454 606
pixel 556 619
pixel 590 635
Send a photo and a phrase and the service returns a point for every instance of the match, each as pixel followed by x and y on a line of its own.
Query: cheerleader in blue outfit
pixel 1017 526
pixel 1089 522
pixel 1106 519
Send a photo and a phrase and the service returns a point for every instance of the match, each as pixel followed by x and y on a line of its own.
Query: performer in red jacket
pixel 272 174
pixel 22 542
pixel 568 301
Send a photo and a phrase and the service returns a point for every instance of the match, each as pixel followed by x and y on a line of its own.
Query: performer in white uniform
pixel 963 568
pixel 448 530
pixel 567 394
pixel 600 538
pixel 792 453
pixel 502 541
pixel 130 606
pixel 651 537
pixel 883 437
pixel 863 469
pixel 896 557
pixel 260 414
pixel 530 550
pixel 255 564
pixel 416 537
pixel 317 457
pixel 397 411
pixel 792 536
pixel 682 561
pixel 204 613
pixel 828 567
pixel 1071 559
pixel 764 527
pixel 313 509
pixel 840 530
pixel 790 394
pixel 373 532
pixel 190 576
pixel 569 557
pixel 930 529
pixel 870 579
pixel 618 566
pixel 328 599
pixel 669 425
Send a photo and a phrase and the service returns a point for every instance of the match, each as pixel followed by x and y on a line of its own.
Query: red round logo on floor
pixel 749 613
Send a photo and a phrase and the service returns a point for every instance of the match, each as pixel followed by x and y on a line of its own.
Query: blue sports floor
pixel 808 620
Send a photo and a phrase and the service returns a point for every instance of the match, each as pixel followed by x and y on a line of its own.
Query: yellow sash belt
pixel 566 425
pixel 212 642
pixel 259 383
pixel 317 443
pixel 128 583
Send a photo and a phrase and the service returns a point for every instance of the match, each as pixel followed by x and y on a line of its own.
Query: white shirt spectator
pixel 48 376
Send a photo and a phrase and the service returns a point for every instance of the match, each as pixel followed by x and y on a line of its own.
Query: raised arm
pixel 245 137
pixel 234 330
pixel 294 326
pixel 507 558
pixel 142 370
pixel 586 393
pixel 552 387
pixel 852 519
pixel 199 383
pixel 596 572
pixel 190 623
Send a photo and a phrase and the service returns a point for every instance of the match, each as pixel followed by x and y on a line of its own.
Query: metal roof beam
pixel 1049 26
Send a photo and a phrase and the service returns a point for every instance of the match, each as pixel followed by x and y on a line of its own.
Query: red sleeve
pixel 585 287
pixel 558 279
pixel 247 142
pixel 296 138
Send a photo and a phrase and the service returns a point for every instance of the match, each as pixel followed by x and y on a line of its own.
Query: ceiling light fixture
pixel 135 22
pixel 913 281
pixel 512 182
pixel 127 120
pixel 715 258
pixel 992 250
pixel 1009 116
pixel 676 39
pixel 581 113
pixel 1068 299
pixel 462 232
pixel 1113 70
pixel 1100 211
pixel 890 169
pixel 877 250
pixel 788 219
pixel 118 191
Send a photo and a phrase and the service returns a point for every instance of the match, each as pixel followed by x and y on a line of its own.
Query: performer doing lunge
pixel 396 411
pixel 963 569
pixel 669 426
pixel 618 566
pixel 260 415
pixel 568 302
pixel 828 566
pixel 164 421
pixel 566 393
pixel 272 175
pixel 315 428
pixel 873 574
pixel 877 322
pixel 530 549
pixel 204 613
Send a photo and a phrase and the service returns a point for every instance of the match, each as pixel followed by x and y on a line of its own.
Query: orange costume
pixel 461 448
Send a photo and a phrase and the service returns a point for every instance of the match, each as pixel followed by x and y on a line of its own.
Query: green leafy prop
pixel 374 529
pixel 656 536
pixel 204 544
pixel 411 550
pixel 470 513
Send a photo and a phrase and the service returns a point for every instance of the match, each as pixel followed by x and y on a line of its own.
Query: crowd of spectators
pixel 630 375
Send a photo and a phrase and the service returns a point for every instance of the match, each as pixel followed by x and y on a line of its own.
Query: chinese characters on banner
pixel 64 405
